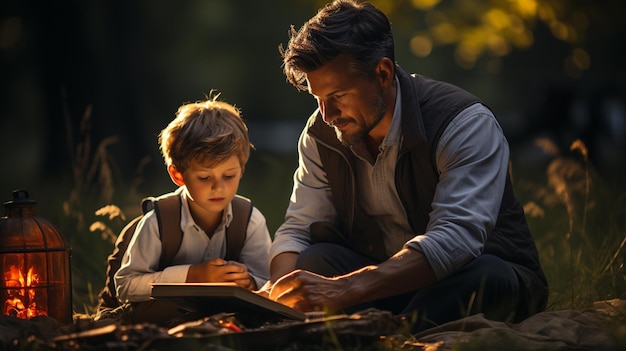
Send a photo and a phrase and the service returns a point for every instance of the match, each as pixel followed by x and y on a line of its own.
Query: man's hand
pixel 265 290
pixel 220 271
pixel 306 291
pixel 408 270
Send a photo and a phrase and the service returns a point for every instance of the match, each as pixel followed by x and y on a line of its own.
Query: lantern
pixel 34 263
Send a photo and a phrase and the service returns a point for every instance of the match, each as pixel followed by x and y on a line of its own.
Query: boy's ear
pixel 176 175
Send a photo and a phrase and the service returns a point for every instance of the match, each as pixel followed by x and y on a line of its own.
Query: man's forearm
pixel 282 264
pixel 406 271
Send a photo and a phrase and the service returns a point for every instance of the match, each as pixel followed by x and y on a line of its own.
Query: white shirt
pixel 141 260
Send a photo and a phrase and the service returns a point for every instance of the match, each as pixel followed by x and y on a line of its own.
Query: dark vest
pixel 427 108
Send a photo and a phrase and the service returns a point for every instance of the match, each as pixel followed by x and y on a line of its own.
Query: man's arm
pixel 406 271
pixel 472 159
pixel 310 202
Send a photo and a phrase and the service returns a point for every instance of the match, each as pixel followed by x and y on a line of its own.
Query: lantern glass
pixel 35 263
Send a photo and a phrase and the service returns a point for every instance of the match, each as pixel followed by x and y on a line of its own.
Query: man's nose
pixel 329 111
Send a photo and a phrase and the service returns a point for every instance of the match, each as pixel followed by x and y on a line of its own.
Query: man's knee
pixel 330 259
pixel 315 257
pixel 496 291
pixel 486 285
pixel 495 276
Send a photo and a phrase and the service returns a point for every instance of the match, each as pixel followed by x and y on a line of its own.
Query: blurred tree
pixel 494 28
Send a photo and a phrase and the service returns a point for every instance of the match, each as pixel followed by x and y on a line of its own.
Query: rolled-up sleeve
pixel 472 160
pixel 310 201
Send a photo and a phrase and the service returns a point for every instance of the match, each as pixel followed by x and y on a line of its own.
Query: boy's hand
pixel 219 271
pixel 247 282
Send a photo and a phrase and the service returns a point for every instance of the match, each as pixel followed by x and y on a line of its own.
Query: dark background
pixel 128 65
pixel 86 86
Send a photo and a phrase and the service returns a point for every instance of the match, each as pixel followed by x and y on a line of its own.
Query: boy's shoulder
pixel 239 198
pixel 163 208
pixel 173 199
pixel 241 207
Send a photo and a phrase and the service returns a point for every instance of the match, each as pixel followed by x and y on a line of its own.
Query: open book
pixel 212 298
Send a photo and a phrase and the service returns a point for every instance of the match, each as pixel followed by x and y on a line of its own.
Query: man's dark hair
pixel 357 29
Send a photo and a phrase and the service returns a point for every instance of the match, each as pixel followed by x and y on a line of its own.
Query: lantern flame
pixel 21 290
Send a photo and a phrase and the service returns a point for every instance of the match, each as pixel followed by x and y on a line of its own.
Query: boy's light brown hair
pixel 208 132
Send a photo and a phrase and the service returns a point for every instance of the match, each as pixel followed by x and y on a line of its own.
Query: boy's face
pixel 212 189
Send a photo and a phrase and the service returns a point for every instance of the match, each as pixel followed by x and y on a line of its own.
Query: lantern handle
pixel 20 196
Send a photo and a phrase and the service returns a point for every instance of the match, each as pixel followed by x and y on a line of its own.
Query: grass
pixel 577 217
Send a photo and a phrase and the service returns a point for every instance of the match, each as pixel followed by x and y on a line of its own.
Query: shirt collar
pixel 393 134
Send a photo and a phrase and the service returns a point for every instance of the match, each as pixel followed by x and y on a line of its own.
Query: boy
pixel 205 149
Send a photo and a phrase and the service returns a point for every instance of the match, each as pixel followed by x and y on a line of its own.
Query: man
pixel 402 199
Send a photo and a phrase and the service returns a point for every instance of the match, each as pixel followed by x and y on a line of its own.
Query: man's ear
pixel 176 175
pixel 385 71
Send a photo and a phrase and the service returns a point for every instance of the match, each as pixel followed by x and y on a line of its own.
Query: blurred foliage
pixel 493 28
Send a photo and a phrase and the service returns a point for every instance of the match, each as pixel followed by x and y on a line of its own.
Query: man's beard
pixel 377 110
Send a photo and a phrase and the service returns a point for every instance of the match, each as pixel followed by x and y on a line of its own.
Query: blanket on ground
pixel 601 328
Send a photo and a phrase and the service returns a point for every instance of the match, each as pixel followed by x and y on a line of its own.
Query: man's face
pixel 349 102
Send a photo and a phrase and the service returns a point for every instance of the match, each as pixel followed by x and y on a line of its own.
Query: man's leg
pixel 331 260
pixel 486 285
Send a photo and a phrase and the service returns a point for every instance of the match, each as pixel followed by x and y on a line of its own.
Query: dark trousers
pixel 486 285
